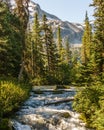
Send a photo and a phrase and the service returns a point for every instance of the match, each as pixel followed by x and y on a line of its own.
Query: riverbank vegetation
pixel 33 54
pixel 90 100
pixel 13 91
pixel 90 103
pixel 12 94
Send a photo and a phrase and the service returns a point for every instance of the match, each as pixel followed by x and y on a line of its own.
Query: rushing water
pixel 37 114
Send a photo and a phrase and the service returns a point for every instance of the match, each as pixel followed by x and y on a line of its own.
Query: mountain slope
pixel 73 31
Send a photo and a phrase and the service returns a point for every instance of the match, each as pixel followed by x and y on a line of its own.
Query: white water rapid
pixel 38 114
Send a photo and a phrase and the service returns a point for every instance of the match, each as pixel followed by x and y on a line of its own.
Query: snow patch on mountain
pixel 73 31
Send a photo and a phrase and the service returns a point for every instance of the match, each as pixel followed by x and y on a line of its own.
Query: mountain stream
pixel 47 110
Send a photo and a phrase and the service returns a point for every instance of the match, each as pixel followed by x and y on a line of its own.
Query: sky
pixel 67 10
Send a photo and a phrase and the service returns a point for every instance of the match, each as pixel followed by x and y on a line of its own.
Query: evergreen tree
pixel 98 42
pixel 63 64
pixel 50 51
pixel 59 39
pixel 61 50
pixel 53 55
pixel 37 49
pixel 86 42
pixel 47 40
pixel 29 56
pixel 10 42
pixel 22 11
pixel 86 52
pixel 68 51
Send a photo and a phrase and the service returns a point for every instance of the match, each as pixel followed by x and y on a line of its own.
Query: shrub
pixel 39 81
pixel 12 94
pixel 90 103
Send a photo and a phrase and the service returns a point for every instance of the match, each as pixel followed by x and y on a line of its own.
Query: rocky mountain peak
pixel 73 31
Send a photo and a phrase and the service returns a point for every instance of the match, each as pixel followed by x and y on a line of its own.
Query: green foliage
pixel 22 12
pixel 35 57
pixel 68 51
pixel 4 124
pixel 86 42
pixel 98 41
pixel 63 76
pixel 86 52
pixel 61 50
pixel 75 67
pixel 90 103
pixel 12 94
pixel 37 64
pixel 10 42
pixel 98 118
pixel 92 67
pixel 39 81
pixel 59 38
pixel 50 51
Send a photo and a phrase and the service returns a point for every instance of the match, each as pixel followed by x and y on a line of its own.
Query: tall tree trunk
pixel 23 14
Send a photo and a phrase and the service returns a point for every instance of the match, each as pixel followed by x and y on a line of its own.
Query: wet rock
pixel 65 115
pixel 54 121
pixel 39 126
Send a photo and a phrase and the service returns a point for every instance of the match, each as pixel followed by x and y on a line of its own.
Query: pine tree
pixel 86 51
pixel 37 49
pixel 22 11
pixel 50 51
pixel 59 39
pixel 63 64
pixel 53 55
pixel 47 40
pixel 10 42
pixel 68 51
pixel 98 42
pixel 29 55
pixel 86 42
pixel 61 49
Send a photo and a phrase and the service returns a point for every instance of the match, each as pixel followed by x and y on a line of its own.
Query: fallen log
pixel 60 101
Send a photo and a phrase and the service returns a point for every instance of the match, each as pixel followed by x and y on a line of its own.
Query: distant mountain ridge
pixel 73 31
